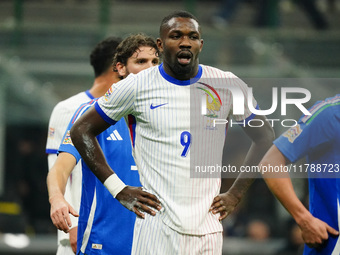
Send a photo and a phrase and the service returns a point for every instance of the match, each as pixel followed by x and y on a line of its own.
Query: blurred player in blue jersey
pixel 101 61
pixel 171 137
pixel 101 217
pixel 317 137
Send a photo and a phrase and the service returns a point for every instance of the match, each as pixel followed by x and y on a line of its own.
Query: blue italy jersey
pixel 105 226
pixel 318 138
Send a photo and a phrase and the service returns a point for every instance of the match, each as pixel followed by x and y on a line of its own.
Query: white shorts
pixel 152 236
pixel 64 250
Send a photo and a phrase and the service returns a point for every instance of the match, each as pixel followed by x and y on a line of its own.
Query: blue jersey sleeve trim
pixel 103 115
pixel 51 151
pixel 180 82
pixel 89 94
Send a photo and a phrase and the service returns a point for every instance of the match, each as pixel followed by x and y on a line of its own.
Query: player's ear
pixel 121 69
pixel 160 44
pixel 201 45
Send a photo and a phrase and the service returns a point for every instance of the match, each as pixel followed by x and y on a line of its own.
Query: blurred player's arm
pixel 83 134
pixel 262 138
pixel 314 231
pixel 57 124
pixel 56 183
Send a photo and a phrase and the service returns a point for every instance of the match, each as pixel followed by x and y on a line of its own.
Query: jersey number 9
pixel 185 141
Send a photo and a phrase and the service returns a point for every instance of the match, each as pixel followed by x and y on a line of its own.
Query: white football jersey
pixel 59 120
pixel 174 134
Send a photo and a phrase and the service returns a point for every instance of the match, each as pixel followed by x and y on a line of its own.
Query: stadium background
pixel 44 48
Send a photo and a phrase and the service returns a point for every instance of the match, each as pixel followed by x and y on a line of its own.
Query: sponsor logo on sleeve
pixel 293 133
pixel 51 132
pixel 67 138
pixel 107 94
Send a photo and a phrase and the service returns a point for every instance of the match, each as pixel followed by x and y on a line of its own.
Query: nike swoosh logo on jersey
pixel 156 106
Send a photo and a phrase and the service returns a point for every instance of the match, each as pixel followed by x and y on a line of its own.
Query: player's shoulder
pixel 88 103
pixel 65 109
pixel 71 102
pixel 324 109
pixel 144 78
pixel 81 97
pixel 82 109
pixel 85 106
pixel 223 79
pixel 214 72
pixel 149 72
pixel 140 77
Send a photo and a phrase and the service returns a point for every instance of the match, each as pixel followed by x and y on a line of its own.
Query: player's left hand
pixel 224 204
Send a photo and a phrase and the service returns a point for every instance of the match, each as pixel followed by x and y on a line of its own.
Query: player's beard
pixel 181 69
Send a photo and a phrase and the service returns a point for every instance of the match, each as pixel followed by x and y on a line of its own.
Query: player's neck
pixel 101 84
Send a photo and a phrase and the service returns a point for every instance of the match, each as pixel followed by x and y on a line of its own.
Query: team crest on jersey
pixel 211 104
pixel 293 133
pixel 107 94
pixel 51 132
pixel 213 100
pixel 67 139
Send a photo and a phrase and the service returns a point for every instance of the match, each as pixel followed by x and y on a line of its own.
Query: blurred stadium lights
pixel 26 245
pixel 18 241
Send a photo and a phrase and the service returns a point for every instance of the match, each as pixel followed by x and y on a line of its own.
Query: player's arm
pixel 262 138
pixel 56 183
pixel 83 134
pixel 314 231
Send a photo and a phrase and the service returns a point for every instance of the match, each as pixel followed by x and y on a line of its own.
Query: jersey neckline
pixel 180 82
pixel 89 94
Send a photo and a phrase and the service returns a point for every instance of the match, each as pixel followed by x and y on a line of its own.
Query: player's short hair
pixel 102 55
pixel 176 14
pixel 130 45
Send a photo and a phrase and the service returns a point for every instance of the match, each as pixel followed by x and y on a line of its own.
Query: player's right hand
pixel 138 201
pixel 59 213
pixel 315 232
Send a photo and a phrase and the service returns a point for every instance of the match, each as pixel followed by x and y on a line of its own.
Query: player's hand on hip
pixel 59 213
pixel 315 232
pixel 224 204
pixel 139 201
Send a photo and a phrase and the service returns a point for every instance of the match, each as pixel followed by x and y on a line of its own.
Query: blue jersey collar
pixel 89 94
pixel 180 82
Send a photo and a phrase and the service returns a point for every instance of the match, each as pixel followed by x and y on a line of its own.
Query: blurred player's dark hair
pixel 102 55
